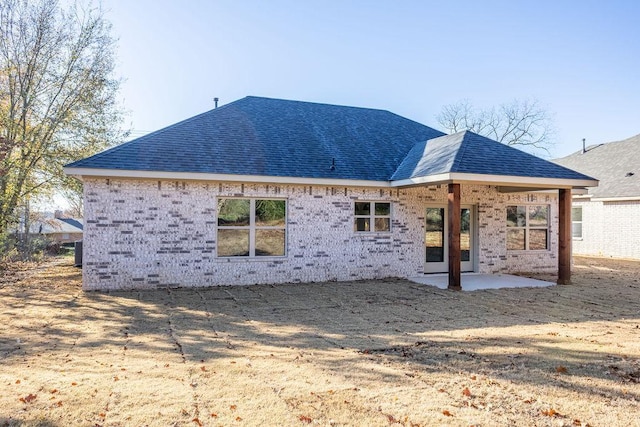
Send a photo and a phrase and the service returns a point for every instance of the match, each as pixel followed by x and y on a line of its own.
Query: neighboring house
pixel 58 228
pixel 606 220
pixel 272 191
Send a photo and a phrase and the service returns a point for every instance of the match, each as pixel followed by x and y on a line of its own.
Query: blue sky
pixel 579 59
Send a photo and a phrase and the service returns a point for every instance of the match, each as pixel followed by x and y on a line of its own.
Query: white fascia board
pixel 445 178
pixel 616 199
pixel 502 180
pixel 580 193
pixel 196 176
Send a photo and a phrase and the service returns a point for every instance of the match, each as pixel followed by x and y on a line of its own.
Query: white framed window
pixel 528 227
pixel 372 217
pixel 251 227
pixel 576 222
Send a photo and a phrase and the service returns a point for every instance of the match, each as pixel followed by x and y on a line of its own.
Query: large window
pixel 251 227
pixel 576 222
pixel 372 216
pixel 528 227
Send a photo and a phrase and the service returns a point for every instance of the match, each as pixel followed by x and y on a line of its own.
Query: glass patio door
pixel 437 242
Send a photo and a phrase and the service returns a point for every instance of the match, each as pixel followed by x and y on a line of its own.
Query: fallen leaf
pixel 203 369
pixel 102 415
pixel 197 421
pixel 116 378
pixel 577 422
pixel 233 407
pixel 59 403
pixel 29 398
pixel 305 419
pixel 447 413
pixel 214 415
pixel 238 419
pixel 441 390
pixel 17 381
pixel 561 369
pixel 473 377
pixel 74 383
pixel 466 392
pixel 551 413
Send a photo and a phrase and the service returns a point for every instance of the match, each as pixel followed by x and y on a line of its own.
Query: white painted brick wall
pixel 150 234
pixel 610 229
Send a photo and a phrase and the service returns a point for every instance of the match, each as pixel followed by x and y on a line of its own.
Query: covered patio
pixel 466 158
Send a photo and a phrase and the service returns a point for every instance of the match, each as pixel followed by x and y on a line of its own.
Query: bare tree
pixel 57 95
pixel 524 123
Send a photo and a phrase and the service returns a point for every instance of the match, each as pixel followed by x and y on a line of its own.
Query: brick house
pixel 273 191
pixel 605 218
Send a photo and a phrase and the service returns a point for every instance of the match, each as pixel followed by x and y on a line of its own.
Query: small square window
pixel 367 214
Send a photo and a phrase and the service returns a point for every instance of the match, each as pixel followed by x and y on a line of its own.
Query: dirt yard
pixel 372 353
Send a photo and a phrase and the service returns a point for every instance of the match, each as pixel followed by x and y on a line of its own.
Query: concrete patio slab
pixel 477 281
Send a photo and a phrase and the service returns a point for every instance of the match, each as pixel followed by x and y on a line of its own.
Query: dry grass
pixel 372 353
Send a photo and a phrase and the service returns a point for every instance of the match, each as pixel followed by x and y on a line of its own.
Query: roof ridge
pixel 320 103
pixel 463 148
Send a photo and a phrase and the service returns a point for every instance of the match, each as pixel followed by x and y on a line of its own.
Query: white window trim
pixel 252 227
pixel 372 216
pixel 581 222
pixel 527 227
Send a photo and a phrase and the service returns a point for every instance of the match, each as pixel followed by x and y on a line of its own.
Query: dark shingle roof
pixel 467 152
pixel 72 222
pixel 280 138
pixel 273 137
pixel 615 164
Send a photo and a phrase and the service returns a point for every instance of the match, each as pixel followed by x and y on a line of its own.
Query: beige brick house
pixel 273 191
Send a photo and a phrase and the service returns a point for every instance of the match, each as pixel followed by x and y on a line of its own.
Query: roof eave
pixel 502 180
pixel 199 176
pixel 616 199
pixel 444 178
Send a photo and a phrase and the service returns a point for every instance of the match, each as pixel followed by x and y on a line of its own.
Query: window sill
pixel 251 259
pixel 371 233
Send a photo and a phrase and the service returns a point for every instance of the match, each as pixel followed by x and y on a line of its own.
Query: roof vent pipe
pixel 584 142
pixel 215 100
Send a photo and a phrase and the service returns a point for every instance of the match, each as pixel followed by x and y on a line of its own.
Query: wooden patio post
pixel 455 281
pixel 564 236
